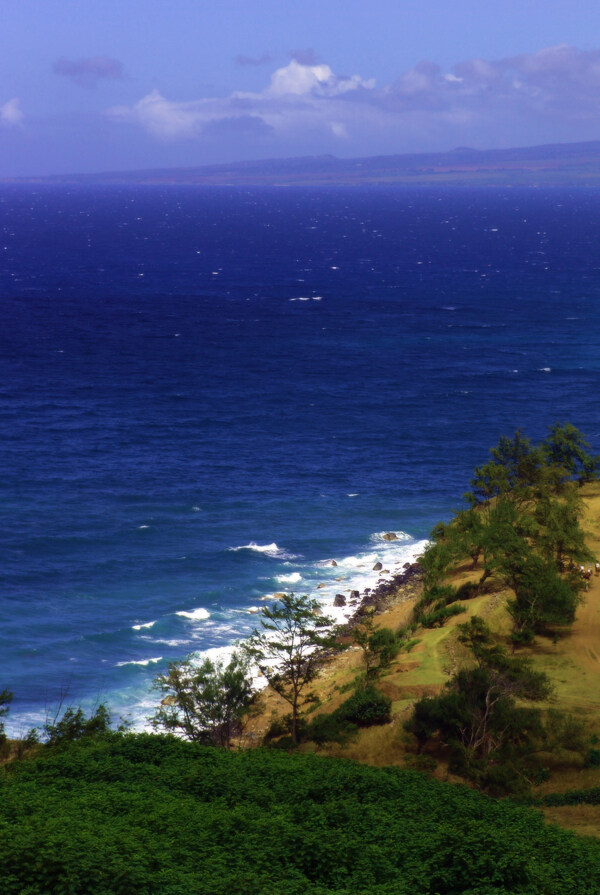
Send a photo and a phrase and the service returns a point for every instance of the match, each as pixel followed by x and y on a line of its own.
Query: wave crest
pixel 194 615
pixel 267 549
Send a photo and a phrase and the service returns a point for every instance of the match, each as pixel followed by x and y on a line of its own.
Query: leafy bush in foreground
pixel 152 815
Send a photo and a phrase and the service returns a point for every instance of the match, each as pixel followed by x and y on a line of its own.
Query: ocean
pixel 209 394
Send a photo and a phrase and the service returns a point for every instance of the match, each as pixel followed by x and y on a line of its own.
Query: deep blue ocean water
pixel 292 372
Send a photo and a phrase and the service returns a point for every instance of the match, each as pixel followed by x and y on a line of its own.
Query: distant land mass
pixel 555 164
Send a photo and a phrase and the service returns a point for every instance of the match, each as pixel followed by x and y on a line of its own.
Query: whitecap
pixel 143 526
pixel 352 495
pixel 194 615
pixel 139 662
pixel 545 369
pixel 267 549
pixel 294 578
pixel 145 625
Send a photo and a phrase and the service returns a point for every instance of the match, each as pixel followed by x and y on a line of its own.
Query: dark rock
pixel 390 536
pixel 377 567
pixel 354 595
pixel 339 600
pixel 333 562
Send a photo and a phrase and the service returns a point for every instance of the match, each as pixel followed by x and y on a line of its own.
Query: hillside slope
pixel 571 661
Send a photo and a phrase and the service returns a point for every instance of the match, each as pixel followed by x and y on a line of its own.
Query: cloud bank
pixel 553 93
pixel 87 72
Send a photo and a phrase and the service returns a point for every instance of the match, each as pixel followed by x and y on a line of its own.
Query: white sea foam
pixel 143 526
pixel 139 662
pixel 194 615
pixel 294 578
pixel 145 625
pixel 267 549
pixel 545 369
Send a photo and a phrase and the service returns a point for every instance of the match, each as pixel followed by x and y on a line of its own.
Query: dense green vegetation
pixel 153 815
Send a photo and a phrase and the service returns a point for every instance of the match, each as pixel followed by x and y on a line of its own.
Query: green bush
pixel 365 707
pixel 467 590
pixel 439 617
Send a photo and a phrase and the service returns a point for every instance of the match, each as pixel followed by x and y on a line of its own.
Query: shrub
pixel 467 590
pixel 365 707
pixel 439 617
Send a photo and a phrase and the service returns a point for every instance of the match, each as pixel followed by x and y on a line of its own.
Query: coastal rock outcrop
pixel 390 536
pixel 339 600
pixel 377 567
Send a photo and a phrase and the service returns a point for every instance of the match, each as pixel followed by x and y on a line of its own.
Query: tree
pixel 559 536
pixel 293 629
pixel 566 448
pixel 73 725
pixel 205 702
pixel 516 468
pixel 477 715
pixel 543 599
pixel 380 646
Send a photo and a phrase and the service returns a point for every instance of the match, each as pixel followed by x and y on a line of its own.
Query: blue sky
pixel 96 85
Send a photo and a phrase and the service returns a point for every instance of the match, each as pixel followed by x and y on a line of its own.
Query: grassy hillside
pixel 571 661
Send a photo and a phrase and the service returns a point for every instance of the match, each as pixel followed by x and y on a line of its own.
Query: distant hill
pixel 566 164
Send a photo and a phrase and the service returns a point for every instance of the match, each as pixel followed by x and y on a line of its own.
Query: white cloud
pixel 11 114
pixel 298 79
pixel 544 95
pixel 297 94
pixel 162 118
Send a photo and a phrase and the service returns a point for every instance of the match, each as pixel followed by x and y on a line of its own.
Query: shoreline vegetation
pixel 477 665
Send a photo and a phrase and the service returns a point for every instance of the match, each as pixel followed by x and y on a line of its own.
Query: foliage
pixel 570 797
pixel 205 702
pixel 543 599
pixel 566 448
pixel 523 526
pixel 285 649
pixel 365 708
pixel 155 815
pixel 73 725
pixel 477 716
pixel 515 470
pixel 436 605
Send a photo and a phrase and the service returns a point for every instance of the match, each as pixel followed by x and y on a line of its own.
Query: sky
pixel 101 85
